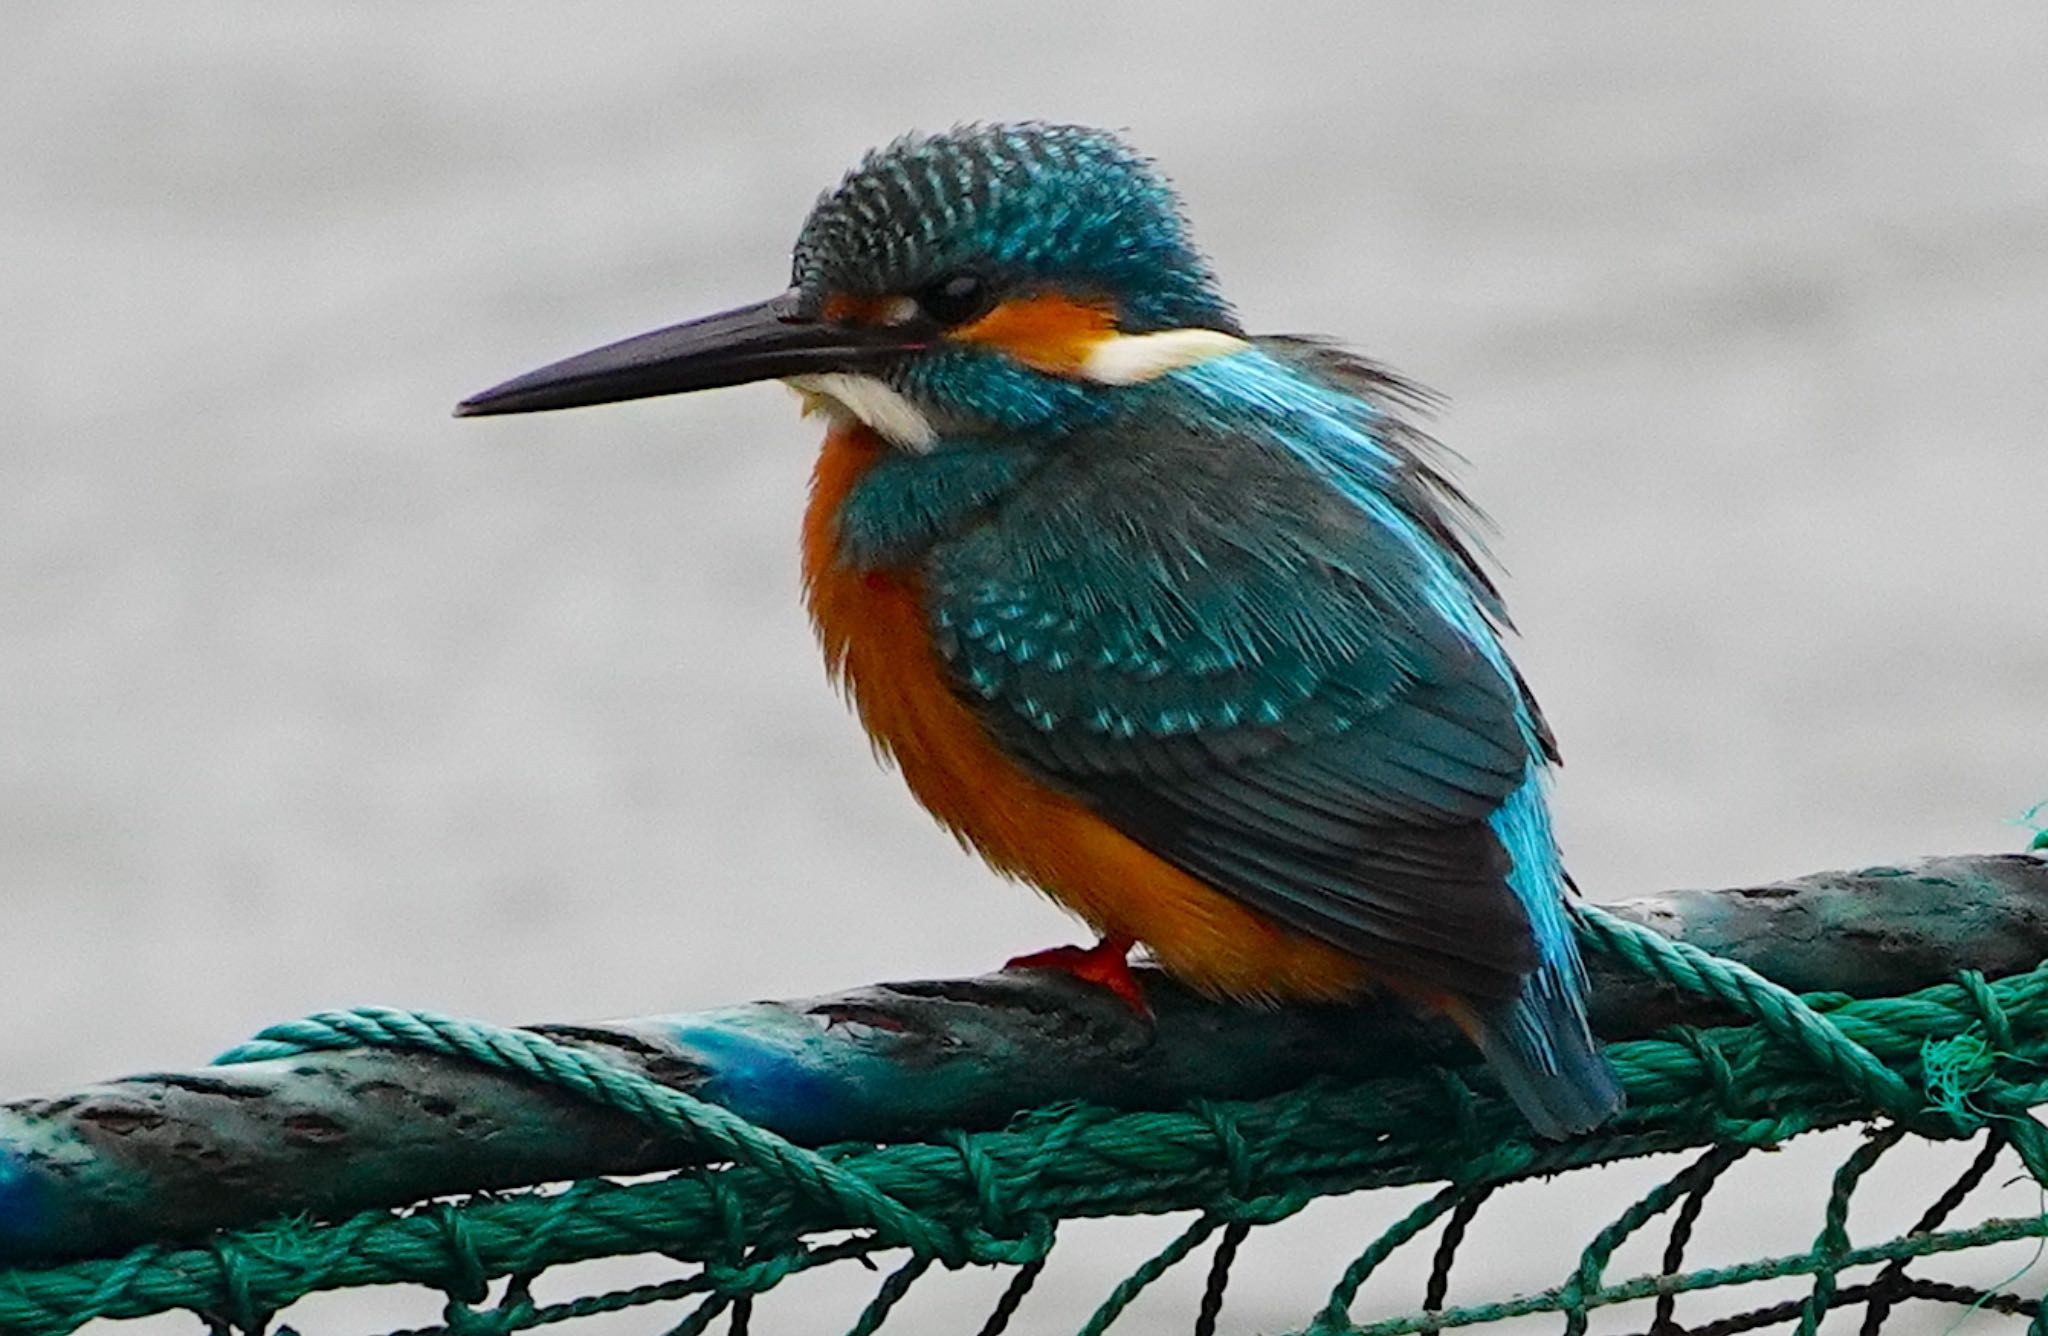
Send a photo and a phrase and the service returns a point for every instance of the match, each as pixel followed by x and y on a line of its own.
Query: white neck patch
pixel 1120 359
pixel 1132 359
pixel 870 401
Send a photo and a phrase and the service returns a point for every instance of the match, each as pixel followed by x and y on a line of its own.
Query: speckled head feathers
pixel 1031 204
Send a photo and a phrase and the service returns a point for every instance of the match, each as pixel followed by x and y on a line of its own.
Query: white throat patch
pixel 865 399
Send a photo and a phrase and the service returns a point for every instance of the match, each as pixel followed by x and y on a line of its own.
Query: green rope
pixel 1337 1312
pixel 1781 1011
pixel 1150 1270
pixel 1834 1235
pixel 1829 1045
pixel 698 1122
pixel 1987 1234
pixel 1946 1062
pixel 1265 1156
pixel 1586 1278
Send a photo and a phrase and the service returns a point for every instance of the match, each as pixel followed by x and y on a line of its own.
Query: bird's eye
pixel 956 298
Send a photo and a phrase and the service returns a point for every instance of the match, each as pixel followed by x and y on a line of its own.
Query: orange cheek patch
pixel 1047 333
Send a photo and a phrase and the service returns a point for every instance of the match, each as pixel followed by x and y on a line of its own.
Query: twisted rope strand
pixel 607 1083
pixel 994 1198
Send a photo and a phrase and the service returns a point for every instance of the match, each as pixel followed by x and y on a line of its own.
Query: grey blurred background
pixel 311 696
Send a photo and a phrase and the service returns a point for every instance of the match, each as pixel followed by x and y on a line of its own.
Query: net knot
pixel 763 1273
pixel 987 1248
pixel 1238 1164
pixel 981 1176
pixel 1726 1091
pixel 1270 1209
pixel 1241 1202
pixel 241 1312
pixel 469 1281
pixel 1990 1011
pixel 461 1319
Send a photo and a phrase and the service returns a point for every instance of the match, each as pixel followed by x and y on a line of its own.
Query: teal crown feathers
pixel 1036 201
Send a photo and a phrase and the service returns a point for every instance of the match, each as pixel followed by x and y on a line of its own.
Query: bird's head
pixel 991 279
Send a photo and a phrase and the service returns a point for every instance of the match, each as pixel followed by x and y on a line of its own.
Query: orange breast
pixel 878 645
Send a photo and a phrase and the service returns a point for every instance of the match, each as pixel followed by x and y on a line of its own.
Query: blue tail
pixel 1546 1058
pixel 1539 1043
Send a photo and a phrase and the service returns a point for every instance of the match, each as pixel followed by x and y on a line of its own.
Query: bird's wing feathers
pixel 1230 662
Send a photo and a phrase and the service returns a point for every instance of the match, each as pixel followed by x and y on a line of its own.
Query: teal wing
pixel 1239 668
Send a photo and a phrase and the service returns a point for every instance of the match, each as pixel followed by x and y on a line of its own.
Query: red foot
pixel 1106 964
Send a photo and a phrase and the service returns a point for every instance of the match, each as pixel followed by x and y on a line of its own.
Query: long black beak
pixel 759 342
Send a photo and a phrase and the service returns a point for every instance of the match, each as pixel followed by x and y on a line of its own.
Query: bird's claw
pixel 1107 964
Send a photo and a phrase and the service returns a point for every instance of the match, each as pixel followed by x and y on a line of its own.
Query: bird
pixel 1185 627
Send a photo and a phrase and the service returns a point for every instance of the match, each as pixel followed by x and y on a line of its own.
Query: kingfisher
pixel 1185 627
